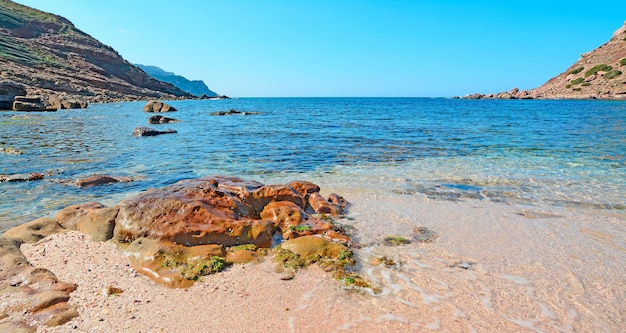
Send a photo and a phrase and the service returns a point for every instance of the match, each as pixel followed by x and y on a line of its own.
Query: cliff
pixel 598 74
pixel 195 87
pixel 49 55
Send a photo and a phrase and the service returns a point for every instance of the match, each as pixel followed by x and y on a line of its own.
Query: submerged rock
pixel 232 112
pixel 147 131
pixel 21 177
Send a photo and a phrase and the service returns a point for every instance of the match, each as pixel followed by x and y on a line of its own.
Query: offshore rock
pixel 158 106
pixel 232 112
pixel 147 131
pixel 161 120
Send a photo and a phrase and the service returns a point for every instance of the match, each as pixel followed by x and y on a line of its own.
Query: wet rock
pixel 232 112
pixel 22 177
pixel 158 106
pixel 396 240
pixel 216 210
pixel 10 151
pixel 161 120
pixel 424 235
pixel 147 131
pixel 307 246
pixel 95 180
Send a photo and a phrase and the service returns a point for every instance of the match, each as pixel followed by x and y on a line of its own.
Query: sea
pixel 515 209
pixel 563 152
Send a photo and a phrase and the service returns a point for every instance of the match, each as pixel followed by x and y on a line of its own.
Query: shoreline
pixel 554 270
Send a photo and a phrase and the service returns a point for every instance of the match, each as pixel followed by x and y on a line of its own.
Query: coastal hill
pixel 599 74
pixel 195 87
pixel 48 55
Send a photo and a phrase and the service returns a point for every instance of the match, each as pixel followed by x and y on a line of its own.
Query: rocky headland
pixel 195 87
pixel 598 74
pixel 49 56
pixel 176 234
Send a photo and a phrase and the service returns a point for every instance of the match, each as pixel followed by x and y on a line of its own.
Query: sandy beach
pixel 493 267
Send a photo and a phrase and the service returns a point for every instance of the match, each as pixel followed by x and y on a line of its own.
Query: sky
pixel 350 48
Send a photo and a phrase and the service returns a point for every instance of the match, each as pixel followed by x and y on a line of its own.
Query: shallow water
pixel 564 153
pixel 527 198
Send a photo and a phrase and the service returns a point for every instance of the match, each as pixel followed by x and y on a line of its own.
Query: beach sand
pixel 494 267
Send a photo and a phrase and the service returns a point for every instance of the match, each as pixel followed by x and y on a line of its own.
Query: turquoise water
pixel 564 153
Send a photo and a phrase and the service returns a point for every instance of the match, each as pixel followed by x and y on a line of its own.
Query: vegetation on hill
pixel 49 55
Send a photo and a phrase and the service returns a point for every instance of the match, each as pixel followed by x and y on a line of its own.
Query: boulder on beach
pixel 158 106
pixel 147 131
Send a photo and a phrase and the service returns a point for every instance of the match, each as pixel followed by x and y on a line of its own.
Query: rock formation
pixel 157 106
pixel 161 120
pixel 598 74
pixel 173 234
pixel 8 91
pixel 48 55
pixel 147 131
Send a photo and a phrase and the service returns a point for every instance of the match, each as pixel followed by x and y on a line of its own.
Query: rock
pixel 69 216
pixel 23 103
pixel 91 218
pixel 474 96
pixel 95 180
pixel 314 246
pixel 8 91
pixel 161 120
pixel 147 131
pixel 22 177
pixel 157 106
pixel 232 112
pixel 216 210
pixel 64 102
pixel 33 291
pixel 34 231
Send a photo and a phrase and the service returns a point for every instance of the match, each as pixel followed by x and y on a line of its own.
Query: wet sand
pixel 494 267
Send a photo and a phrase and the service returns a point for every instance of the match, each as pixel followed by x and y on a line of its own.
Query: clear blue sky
pixel 259 48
